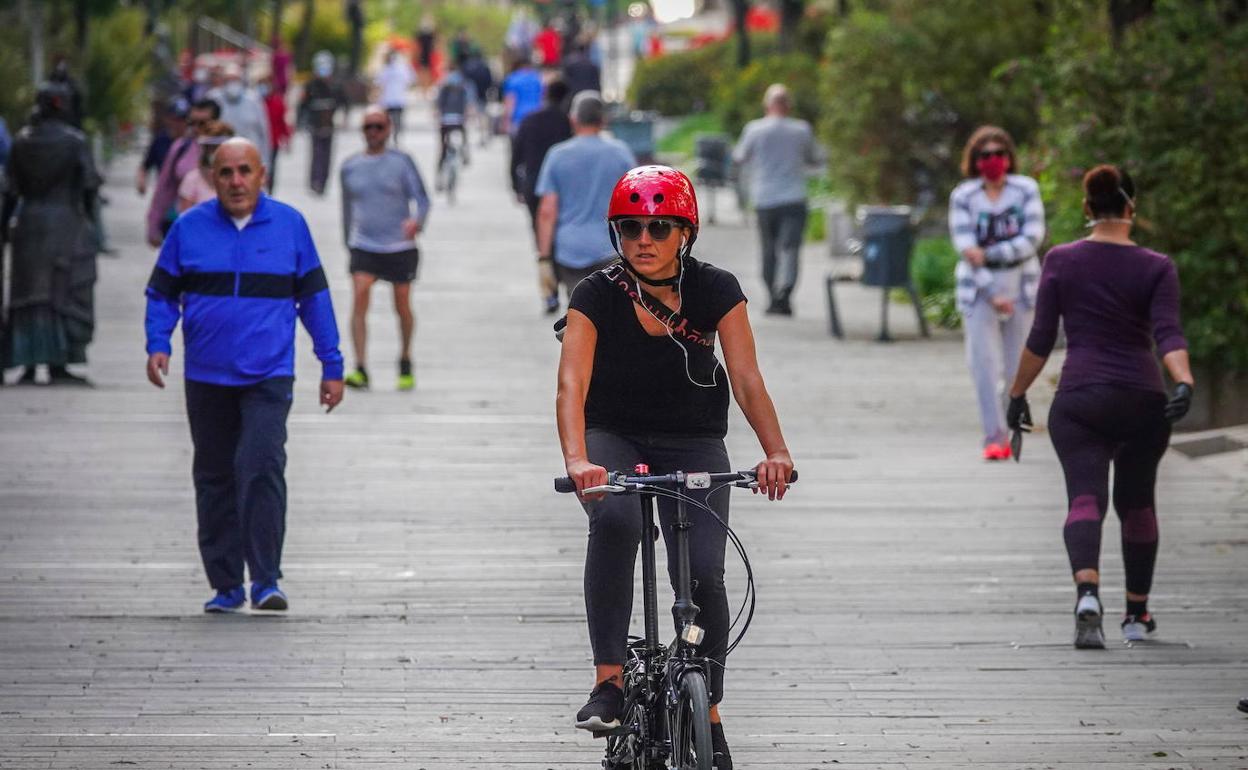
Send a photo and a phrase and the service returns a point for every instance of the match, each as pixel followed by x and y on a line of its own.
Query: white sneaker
pixel 1088 632
pixel 1138 628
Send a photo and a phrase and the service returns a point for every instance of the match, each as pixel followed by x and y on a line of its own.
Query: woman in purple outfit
pixel 1116 300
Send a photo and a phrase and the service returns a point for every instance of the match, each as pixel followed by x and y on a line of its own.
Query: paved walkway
pixel 914 603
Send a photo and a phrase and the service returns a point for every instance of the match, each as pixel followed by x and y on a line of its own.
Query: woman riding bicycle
pixel 639 383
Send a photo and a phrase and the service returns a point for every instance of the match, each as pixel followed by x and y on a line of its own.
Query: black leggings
pixel 615 533
pixel 1092 427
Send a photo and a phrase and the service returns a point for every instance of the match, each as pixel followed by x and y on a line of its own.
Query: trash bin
pixel 713 153
pixel 887 239
pixel 635 129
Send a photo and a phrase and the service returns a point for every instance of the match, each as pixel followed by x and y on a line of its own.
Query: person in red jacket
pixel 279 129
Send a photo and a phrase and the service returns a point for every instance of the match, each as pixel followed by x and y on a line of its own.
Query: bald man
pixel 237 271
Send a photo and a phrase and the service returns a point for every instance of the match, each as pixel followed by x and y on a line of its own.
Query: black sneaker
pixel 721 759
pixel 1243 705
pixel 602 711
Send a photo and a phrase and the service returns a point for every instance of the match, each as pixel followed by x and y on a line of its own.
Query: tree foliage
pixel 1169 102
pixel 906 81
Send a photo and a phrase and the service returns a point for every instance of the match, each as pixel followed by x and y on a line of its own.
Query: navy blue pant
pixel 615 534
pixel 240 484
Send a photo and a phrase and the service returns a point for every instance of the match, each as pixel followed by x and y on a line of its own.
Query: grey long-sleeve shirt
pixel 377 195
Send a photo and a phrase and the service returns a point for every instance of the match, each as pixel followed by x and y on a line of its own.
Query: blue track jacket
pixel 238 292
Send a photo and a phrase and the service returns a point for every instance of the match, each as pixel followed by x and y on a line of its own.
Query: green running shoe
pixel 407 380
pixel 357 379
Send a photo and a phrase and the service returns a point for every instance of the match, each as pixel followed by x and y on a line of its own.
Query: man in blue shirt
pixel 575 186
pixel 237 271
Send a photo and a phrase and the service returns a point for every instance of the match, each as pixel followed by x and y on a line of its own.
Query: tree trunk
pixel 791 12
pixel 80 29
pixel 740 9
pixel 302 55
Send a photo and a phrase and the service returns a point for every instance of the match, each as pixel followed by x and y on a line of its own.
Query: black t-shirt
pixel 639 384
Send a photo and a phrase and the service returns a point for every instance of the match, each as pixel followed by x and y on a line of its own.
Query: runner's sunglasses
pixel 659 229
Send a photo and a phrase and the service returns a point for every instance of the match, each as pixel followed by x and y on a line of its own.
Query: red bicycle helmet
pixel 655 191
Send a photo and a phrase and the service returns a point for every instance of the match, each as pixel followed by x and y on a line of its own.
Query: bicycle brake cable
pixel 751 598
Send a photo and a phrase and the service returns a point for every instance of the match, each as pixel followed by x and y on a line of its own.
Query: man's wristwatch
pixel 544 258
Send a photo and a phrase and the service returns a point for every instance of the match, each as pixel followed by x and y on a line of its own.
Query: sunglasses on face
pixel 993 154
pixel 374 126
pixel 659 229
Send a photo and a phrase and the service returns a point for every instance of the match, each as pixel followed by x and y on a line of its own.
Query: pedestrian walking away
pixel 538 132
pixel 322 98
pixel 996 221
pixel 182 159
pixel 639 382
pixel 238 333
pixel 379 188
pixel 522 94
pixel 575 184
pixel 52 184
pixel 1115 301
pixel 781 152
pixel 395 78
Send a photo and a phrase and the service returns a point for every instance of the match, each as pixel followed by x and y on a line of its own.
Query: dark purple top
pixel 1115 302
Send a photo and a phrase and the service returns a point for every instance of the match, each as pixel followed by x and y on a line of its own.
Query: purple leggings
pixel 1096 426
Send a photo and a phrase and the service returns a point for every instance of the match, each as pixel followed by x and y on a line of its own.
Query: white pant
pixel 994 345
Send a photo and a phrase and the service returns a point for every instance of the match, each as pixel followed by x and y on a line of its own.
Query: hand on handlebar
pixel 585 474
pixel 773 475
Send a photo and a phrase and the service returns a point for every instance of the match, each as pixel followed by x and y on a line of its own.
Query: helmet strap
pixel 673 281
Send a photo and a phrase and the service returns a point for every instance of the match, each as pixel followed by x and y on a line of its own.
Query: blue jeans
pixel 239 470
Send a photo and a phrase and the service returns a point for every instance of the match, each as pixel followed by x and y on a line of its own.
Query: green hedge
pixel 1170 103
pixel 680 83
pixel 739 94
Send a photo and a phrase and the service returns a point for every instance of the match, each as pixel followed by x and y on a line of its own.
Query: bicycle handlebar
pixel 564 484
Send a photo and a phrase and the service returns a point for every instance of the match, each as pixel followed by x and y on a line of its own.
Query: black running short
pixel 396 267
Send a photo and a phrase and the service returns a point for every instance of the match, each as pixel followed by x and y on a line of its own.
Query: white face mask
pixel 200 76
pixel 233 89
pixel 324 70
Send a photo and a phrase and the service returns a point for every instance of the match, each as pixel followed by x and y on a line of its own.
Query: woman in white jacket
pixel 996 220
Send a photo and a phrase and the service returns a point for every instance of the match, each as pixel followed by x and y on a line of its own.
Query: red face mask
pixel 994 167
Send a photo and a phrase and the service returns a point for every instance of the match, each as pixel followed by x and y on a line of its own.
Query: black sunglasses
pixel 994 153
pixel 374 126
pixel 659 229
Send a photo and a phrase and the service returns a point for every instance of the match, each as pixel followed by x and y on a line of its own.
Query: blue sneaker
pixel 227 601
pixel 267 596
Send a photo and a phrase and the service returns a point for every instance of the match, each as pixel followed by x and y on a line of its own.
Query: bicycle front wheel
pixel 691 725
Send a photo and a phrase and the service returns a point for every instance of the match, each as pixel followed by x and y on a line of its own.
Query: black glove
pixel 1018 415
pixel 1179 403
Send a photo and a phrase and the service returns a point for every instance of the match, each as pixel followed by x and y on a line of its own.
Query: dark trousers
pixel 396 123
pixel 615 534
pixel 1093 427
pixel 239 435
pixel 781 230
pixel 322 153
pixel 271 175
pixel 569 277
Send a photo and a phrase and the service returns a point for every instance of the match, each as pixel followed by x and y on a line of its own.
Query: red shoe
pixel 997 452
